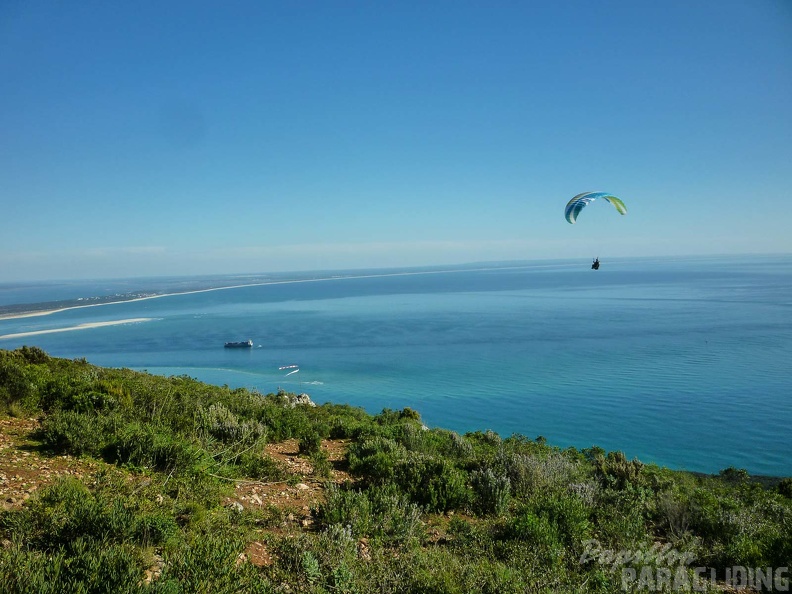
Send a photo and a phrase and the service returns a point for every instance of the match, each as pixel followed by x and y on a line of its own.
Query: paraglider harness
pixel 595 264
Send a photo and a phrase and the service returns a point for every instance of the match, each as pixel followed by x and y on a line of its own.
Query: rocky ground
pixel 24 469
pixel 292 501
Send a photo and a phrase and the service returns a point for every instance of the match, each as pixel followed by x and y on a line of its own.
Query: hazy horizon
pixel 418 268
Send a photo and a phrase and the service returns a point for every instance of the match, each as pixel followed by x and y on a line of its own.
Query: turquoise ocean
pixel 684 362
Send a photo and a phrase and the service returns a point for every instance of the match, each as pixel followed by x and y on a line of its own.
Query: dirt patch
pixel 258 554
pixel 293 501
pixel 297 496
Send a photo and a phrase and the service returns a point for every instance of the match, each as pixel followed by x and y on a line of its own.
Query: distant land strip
pixel 79 327
pixel 27 310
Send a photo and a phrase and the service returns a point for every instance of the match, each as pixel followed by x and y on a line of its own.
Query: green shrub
pixel 282 420
pixel 346 507
pixel 375 459
pixel 537 473
pixel 76 433
pixel 310 442
pixel 345 428
pixel 148 446
pixel 381 512
pixel 435 442
pixel 34 355
pixel 65 392
pixel 742 526
pixel 68 511
pixel 540 532
pixel 322 468
pixel 620 517
pixel 16 387
pixel 84 565
pixel 209 564
pixel 260 467
pixel 433 483
pixel 88 402
pixel 220 423
pixel 154 528
pixel 614 470
pixel 734 475
pixel 673 515
pixel 310 565
pixel 492 491
pixel 570 515
pixel 488 438
pixel 785 487
pixel 398 521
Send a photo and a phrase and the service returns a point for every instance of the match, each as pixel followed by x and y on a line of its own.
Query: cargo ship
pixel 245 344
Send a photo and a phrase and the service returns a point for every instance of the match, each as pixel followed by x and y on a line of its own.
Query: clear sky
pixel 189 137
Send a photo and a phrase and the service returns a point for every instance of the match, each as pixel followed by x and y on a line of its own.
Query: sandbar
pixel 79 327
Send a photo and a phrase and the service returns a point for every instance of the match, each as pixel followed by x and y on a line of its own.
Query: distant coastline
pixel 202 284
pixel 28 310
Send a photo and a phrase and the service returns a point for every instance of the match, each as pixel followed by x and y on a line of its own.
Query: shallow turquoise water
pixel 680 362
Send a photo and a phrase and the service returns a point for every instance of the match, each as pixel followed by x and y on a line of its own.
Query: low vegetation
pixel 158 507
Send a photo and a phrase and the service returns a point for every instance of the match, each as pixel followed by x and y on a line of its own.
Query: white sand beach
pixel 79 327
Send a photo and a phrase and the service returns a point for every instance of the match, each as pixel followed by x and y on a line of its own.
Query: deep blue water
pixel 682 362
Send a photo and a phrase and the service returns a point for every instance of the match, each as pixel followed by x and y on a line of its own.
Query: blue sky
pixel 162 138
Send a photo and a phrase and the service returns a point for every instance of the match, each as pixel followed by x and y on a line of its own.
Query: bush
pixel 322 468
pixel 84 565
pixel 540 532
pixel 433 483
pixel 76 433
pixel 435 442
pixel 88 402
pixel 310 443
pixel 619 516
pixel 223 425
pixel 614 470
pixel 68 511
pixel 673 515
pixel 154 529
pixel 785 488
pixel 398 520
pixel 346 507
pixel 34 355
pixel 147 446
pixel 15 386
pixel 260 467
pixel 570 515
pixel 375 459
pixel 380 512
pixel 492 491
pixel 208 564
pixel 529 473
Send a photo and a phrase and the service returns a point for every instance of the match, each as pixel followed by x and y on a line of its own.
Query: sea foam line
pixel 79 327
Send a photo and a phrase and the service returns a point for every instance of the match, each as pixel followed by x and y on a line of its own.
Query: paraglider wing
pixel 580 201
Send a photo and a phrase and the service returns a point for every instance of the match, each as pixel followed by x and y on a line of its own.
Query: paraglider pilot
pixel 595 264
